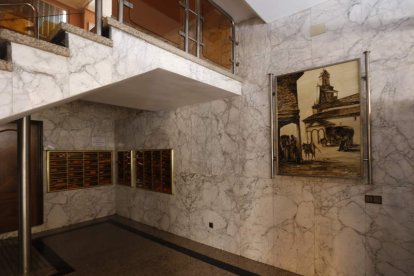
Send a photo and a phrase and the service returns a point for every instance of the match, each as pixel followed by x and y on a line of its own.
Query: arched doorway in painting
pixel 289 143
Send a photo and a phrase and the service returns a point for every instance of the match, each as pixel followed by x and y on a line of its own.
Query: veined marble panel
pixel 6 93
pixel 343 38
pixel 340 229
pixel 294 224
pixel 74 126
pixel 39 78
pixel 255 202
pixel 291 43
pixel 393 129
pixel 215 202
pixel 254 154
pixel 71 207
pixel 389 232
pixel 90 65
pixel 225 139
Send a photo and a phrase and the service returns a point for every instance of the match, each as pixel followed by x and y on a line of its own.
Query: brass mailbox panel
pixel 147 169
pixel 68 170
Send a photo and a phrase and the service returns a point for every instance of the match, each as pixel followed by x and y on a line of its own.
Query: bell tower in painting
pixel 327 93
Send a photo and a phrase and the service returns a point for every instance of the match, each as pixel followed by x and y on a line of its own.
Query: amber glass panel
pixel 217 32
pixel 192 5
pixel 17 18
pixel 192 26
pixel 192 47
pixel 51 13
pixel 164 18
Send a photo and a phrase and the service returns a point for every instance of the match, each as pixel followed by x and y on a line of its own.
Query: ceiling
pixel 239 10
pixel 267 10
pixel 76 4
pixel 156 90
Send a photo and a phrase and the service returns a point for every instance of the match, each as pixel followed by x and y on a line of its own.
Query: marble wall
pixel 312 226
pixel 75 126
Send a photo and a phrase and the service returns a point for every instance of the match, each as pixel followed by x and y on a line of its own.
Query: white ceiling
pixel 156 90
pixel 76 4
pixel 239 10
pixel 270 10
pixel 267 10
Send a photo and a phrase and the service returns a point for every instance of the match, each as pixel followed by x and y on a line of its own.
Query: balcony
pixel 198 27
pixel 48 60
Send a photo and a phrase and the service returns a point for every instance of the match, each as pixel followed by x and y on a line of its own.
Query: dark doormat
pixel 9 260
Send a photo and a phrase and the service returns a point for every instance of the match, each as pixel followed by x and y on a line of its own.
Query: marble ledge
pixel 6 65
pixel 82 33
pixel 164 45
pixel 33 42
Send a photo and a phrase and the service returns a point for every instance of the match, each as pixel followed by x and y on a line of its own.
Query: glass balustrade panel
pixel 162 18
pixel 50 13
pixel 216 35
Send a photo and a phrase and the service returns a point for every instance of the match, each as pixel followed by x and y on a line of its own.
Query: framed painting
pixel 317 122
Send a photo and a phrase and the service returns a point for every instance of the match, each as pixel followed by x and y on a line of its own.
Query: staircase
pixel 127 68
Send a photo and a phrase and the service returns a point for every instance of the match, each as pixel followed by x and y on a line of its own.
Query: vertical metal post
pixel 272 138
pixel 198 11
pixel 121 11
pixel 24 195
pixel 368 123
pixel 233 47
pixel 36 21
pixel 98 17
pixel 186 25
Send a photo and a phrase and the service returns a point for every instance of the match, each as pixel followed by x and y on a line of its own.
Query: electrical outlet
pixel 211 225
pixel 373 199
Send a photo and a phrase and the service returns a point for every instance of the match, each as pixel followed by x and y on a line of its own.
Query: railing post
pixel 24 195
pixel 272 126
pixel 121 11
pixel 368 116
pixel 233 47
pixel 98 17
pixel 198 11
pixel 186 25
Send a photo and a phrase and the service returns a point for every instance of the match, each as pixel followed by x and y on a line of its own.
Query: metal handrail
pixel 35 15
